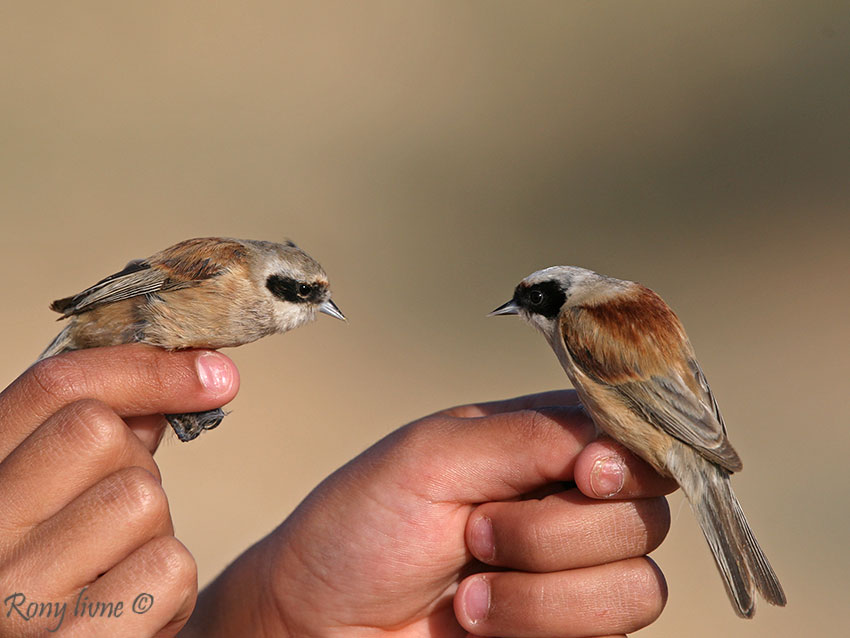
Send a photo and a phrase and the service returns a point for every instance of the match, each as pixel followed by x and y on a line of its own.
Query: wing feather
pixel 180 266
pixel 637 347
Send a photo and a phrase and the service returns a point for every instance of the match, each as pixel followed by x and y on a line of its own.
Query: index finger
pixel 550 399
pixel 496 457
pixel 134 380
pixel 635 478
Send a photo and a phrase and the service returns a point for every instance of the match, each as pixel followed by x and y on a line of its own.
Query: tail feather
pixel 764 577
pixel 721 531
pixel 60 344
pixel 737 554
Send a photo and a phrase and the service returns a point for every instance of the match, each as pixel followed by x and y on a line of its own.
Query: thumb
pixel 494 457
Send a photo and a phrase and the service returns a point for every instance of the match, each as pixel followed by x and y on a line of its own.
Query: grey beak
pixel 509 308
pixel 329 308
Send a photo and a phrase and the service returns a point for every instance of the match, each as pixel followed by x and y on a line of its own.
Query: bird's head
pixel 295 283
pixel 543 295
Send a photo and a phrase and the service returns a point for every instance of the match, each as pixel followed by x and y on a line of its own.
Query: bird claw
pixel 189 426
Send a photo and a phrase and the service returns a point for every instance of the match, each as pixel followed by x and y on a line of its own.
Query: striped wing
pixel 180 266
pixel 638 348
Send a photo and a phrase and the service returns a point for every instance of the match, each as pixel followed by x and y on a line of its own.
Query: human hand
pixel 383 545
pixel 84 518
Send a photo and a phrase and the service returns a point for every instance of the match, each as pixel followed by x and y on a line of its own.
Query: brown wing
pixel 180 266
pixel 637 346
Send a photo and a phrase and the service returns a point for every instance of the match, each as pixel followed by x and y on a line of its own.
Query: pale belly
pixel 613 417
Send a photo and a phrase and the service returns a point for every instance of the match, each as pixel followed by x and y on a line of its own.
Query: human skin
pixel 392 543
pixel 461 511
pixel 81 499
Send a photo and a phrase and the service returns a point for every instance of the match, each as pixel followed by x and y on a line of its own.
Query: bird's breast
pixel 616 419
pixel 206 316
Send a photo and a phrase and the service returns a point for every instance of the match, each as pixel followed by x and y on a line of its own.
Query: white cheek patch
pixel 290 316
pixel 544 325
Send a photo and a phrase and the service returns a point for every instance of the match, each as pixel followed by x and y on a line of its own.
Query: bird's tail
pixel 738 556
pixel 60 344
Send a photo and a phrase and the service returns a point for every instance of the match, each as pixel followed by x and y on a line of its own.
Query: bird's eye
pixel 535 297
pixel 304 290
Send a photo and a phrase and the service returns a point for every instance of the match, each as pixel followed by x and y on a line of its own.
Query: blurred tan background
pixel 430 155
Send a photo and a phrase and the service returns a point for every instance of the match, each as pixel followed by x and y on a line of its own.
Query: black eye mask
pixel 294 291
pixel 545 298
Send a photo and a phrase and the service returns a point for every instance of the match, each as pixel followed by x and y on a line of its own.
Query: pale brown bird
pixel 634 369
pixel 209 292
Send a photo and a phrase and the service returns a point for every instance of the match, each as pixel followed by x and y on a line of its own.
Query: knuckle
pixel 96 426
pixel 543 425
pixel 165 372
pixel 421 436
pixel 60 379
pixel 646 591
pixel 536 426
pixel 141 496
pixel 529 424
pixel 423 447
pixel 168 557
pixel 153 373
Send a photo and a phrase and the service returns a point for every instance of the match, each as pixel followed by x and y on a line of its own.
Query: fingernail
pixel 607 477
pixel 476 600
pixel 215 372
pixel 482 542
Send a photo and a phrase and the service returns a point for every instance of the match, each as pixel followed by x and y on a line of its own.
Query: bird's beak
pixel 329 308
pixel 509 308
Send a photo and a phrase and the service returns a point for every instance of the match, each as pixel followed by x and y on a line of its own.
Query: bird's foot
pixel 189 426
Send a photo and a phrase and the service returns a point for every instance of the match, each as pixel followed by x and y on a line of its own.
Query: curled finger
pixel 607 599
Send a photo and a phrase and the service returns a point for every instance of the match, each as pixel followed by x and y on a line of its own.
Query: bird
pixel 207 292
pixel 635 372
